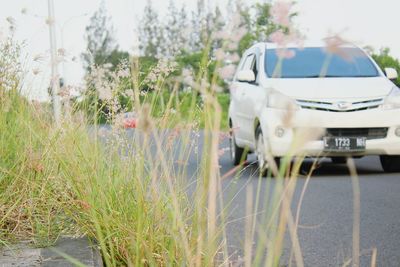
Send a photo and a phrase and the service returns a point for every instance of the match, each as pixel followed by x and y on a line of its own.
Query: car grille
pixel 369 133
pixel 334 107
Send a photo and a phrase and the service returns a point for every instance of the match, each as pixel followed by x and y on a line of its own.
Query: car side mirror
pixel 246 76
pixel 391 73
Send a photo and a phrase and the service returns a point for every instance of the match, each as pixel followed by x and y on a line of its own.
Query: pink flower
pixel 282 39
pixel 285 53
pixel 233 58
pixel 278 37
pixel 280 12
pixel 227 72
pixel 232 46
pixel 238 34
pixel 335 45
pixel 221 35
pixel 220 54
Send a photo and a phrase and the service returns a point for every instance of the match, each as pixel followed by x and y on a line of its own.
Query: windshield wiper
pixel 336 76
pixel 326 76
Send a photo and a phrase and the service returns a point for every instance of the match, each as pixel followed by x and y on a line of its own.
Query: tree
pixel 385 60
pixel 101 46
pixel 257 19
pixel 151 34
pixel 215 24
pixel 198 27
pixel 183 23
pixel 176 40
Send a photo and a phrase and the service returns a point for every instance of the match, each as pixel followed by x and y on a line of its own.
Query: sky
pixel 364 22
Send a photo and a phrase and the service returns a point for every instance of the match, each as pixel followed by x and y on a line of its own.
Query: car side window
pixel 255 68
pixel 249 62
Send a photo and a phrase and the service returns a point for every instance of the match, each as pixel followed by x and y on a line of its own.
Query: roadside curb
pixel 81 250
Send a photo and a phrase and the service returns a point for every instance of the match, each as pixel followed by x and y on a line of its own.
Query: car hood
pixel 334 88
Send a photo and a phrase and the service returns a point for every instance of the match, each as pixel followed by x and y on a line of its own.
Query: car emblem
pixel 344 105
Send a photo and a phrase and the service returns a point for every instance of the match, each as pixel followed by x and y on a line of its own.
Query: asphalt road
pixel 326 218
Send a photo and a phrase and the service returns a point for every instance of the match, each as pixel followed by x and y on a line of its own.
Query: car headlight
pixel 281 101
pixel 392 101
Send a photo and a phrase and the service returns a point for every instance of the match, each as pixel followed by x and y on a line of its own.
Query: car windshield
pixel 317 62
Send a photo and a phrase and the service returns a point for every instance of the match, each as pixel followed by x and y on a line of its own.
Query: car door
pixel 238 90
pixel 246 106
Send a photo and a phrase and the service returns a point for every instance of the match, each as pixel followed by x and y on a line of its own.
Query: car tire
pixel 260 153
pixel 339 160
pixel 237 153
pixel 390 164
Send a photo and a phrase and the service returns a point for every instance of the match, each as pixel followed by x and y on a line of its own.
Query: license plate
pixel 344 144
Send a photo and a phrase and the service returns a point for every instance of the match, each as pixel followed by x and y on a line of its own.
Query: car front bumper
pixel 303 130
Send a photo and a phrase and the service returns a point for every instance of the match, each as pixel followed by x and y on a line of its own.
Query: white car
pixel 344 92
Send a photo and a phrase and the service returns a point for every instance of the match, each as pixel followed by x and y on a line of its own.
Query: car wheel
pixel 339 160
pixel 237 153
pixel 390 163
pixel 261 154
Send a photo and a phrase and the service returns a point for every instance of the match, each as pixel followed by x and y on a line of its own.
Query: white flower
pixel 187 76
pixel 38 58
pixel 130 93
pixel 11 20
pixel 124 73
pixel 107 66
pixel 105 93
